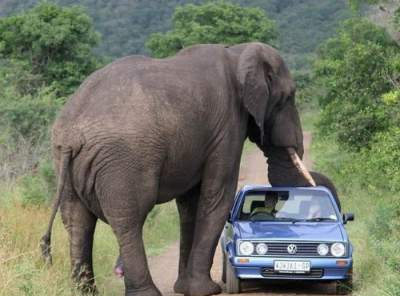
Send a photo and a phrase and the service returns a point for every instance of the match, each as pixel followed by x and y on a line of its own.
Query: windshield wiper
pixel 319 219
pixel 293 220
pixel 275 219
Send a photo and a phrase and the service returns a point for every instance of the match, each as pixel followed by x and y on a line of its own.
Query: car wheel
pixel 223 277
pixel 232 282
pixel 345 287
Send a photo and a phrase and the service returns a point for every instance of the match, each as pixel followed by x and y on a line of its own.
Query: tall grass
pixel 373 206
pixel 22 271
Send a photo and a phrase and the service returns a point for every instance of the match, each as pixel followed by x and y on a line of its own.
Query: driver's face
pixel 270 202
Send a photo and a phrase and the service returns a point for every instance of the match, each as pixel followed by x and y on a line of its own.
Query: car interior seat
pixel 256 204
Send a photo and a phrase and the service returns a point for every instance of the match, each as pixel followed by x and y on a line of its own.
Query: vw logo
pixel 292 249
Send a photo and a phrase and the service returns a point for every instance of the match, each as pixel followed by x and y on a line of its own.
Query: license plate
pixel 292 266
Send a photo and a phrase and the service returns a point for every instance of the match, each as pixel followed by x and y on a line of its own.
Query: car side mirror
pixel 348 217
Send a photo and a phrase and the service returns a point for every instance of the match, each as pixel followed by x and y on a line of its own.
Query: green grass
pixel 22 271
pixel 356 199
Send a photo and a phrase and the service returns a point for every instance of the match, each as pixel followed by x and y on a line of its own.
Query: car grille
pixel 303 249
pixel 314 273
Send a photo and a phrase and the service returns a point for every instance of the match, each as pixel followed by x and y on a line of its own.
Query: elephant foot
pixel 87 288
pixel 201 287
pixel 83 278
pixel 150 291
pixel 180 285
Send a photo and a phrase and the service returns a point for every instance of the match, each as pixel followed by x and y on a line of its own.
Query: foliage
pixel 30 115
pixel 51 45
pixel 125 25
pixel 303 24
pixel 356 4
pixel 356 68
pixel 359 72
pixel 213 22
pixel 375 233
pixel 39 186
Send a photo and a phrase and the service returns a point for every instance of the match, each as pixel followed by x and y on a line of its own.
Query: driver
pixel 268 211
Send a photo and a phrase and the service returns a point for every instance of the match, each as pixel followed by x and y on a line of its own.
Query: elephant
pixel 143 131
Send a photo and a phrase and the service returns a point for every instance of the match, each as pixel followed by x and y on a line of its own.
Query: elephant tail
pixel 45 242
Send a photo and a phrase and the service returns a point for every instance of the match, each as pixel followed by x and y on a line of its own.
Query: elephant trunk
pixel 287 169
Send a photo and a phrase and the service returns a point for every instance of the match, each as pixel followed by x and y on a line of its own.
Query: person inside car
pixel 268 211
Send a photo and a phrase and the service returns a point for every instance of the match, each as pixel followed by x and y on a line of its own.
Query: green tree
pixel 356 69
pixel 48 45
pixel 212 22
pixel 356 4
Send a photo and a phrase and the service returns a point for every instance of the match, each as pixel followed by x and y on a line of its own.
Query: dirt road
pixel 252 171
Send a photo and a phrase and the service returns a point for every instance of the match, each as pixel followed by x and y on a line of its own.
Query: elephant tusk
pixel 298 163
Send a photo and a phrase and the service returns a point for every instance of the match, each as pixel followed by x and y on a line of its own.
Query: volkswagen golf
pixel 294 233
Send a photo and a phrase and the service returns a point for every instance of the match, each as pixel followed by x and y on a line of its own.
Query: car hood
pixel 300 231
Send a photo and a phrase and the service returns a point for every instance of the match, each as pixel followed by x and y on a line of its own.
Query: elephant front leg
pixel 215 201
pixel 187 207
pixel 80 224
pixel 212 214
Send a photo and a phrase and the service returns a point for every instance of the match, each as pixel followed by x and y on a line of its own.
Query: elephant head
pixel 267 91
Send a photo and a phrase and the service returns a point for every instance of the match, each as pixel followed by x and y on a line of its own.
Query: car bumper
pixel 322 269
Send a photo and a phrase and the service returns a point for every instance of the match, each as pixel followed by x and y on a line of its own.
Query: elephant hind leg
pixel 126 198
pixel 80 224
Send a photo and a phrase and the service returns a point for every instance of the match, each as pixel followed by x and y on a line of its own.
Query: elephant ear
pixel 254 80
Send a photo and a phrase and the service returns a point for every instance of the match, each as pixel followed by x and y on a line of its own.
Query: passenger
pixel 315 210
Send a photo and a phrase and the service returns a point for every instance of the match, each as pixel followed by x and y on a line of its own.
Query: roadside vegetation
pixel 357 143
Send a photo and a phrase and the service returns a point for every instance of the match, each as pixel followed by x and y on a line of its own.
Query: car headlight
pixel 323 249
pixel 338 249
pixel 261 249
pixel 246 248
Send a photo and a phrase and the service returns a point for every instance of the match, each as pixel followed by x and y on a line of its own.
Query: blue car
pixel 293 233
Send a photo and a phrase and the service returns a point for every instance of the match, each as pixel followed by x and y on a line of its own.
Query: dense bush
pixel 39 186
pixel 356 68
pixel 213 22
pixel 50 43
pixel 29 115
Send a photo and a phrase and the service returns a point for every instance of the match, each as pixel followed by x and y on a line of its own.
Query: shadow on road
pixel 286 288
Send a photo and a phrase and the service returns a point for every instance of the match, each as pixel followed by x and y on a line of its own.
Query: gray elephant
pixel 142 131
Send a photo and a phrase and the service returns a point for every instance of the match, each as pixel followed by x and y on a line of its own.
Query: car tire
pixel 345 287
pixel 232 282
pixel 223 276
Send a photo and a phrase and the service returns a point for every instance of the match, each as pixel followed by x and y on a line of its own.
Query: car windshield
pixel 294 206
